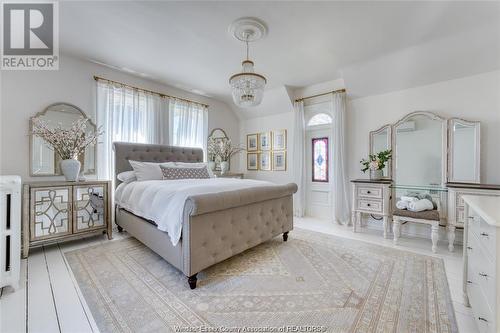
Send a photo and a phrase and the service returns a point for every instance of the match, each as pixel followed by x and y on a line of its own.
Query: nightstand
pixel 55 211
pixel 229 175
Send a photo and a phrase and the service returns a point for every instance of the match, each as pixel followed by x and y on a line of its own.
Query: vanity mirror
pixel 419 157
pixel 380 140
pixel 218 135
pixel 44 161
pixel 464 152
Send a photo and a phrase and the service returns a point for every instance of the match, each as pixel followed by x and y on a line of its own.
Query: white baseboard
pixel 414 230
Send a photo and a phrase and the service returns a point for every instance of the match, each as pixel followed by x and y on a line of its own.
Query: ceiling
pixel 186 44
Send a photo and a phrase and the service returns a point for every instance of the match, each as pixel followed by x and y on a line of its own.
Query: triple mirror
pixel 429 150
pixel 44 161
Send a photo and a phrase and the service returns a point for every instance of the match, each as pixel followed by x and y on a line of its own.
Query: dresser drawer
pixel 374 206
pixel 460 215
pixel 483 315
pixel 474 225
pixel 460 202
pixel 370 192
pixel 487 237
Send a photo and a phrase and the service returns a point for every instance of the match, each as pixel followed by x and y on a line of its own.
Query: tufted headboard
pixel 125 151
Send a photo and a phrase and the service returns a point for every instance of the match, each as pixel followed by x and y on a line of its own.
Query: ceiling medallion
pixel 247 87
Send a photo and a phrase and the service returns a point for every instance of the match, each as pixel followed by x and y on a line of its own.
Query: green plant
pixel 376 161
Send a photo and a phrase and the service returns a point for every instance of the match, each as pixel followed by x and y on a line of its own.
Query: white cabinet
pixel 371 197
pixel 481 259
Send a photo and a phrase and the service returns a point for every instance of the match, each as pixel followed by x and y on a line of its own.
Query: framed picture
pixel 252 142
pixel 252 161
pixel 279 140
pixel 265 161
pixel 265 141
pixel 279 160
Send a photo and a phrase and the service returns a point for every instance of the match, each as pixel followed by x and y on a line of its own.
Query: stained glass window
pixel 320 160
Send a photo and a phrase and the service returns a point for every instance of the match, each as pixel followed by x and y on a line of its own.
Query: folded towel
pixel 428 197
pixel 408 198
pixel 420 205
pixel 402 204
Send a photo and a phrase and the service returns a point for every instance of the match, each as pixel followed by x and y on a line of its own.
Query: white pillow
pixel 127 177
pixel 146 170
pixel 190 165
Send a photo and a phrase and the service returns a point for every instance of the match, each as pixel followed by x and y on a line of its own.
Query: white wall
pixel 475 97
pixel 24 93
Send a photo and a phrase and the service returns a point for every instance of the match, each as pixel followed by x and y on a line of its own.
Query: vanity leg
pixel 395 230
pixel 435 236
pixel 451 237
pixel 192 281
pixel 385 226
pixel 285 236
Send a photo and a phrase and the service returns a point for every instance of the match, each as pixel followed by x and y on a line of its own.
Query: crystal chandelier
pixel 247 86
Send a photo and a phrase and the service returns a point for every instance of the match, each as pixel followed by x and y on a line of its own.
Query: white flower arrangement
pixel 222 149
pixel 70 142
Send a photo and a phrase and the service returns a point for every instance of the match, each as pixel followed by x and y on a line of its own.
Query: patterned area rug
pixel 312 283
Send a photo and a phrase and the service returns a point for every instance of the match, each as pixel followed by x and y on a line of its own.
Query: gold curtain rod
pixel 97 78
pixel 318 95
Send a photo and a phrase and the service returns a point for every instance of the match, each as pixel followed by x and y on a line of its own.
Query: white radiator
pixel 10 230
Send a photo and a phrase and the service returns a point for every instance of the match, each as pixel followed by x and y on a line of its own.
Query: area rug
pixel 312 283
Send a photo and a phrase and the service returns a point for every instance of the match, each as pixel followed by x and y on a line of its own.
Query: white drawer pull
pixel 483 319
pixel 483 274
pixel 484 234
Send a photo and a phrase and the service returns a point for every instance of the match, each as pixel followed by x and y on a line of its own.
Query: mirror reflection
pixel 380 140
pixel 218 135
pixel 464 139
pixel 44 160
pixel 419 151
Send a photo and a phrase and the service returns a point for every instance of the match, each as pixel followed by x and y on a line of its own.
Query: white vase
pixel 224 167
pixel 376 174
pixel 211 165
pixel 70 169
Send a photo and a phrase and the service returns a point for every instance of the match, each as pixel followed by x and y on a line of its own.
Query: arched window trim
pixel 315 115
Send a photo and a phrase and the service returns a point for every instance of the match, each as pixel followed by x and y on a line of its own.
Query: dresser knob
pixel 368 192
pixel 483 274
pixel 469 248
pixel 368 205
pixel 484 234
pixel 469 281
pixel 471 217
pixel 483 319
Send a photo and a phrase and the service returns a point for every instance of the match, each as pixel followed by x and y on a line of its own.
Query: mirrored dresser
pixel 55 211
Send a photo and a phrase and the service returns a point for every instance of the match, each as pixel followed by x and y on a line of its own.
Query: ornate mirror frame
pixel 90 123
pixel 217 163
pixel 387 127
pixel 444 141
pixel 477 150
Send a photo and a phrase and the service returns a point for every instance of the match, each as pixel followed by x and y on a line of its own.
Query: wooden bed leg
pixel 285 236
pixel 120 229
pixel 192 281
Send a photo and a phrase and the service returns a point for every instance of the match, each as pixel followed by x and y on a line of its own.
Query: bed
pixel 215 226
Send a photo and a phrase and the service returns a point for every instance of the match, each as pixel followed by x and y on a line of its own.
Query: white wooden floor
pixel 49 299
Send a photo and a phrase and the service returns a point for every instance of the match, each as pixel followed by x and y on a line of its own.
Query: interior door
pixel 318 194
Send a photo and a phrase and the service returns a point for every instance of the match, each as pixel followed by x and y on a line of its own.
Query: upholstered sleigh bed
pixel 215 226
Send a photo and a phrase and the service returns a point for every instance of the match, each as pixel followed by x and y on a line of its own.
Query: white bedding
pixel 163 201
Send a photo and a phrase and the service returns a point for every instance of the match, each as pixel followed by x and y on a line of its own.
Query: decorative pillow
pixel 190 165
pixel 126 177
pixel 184 173
pixel 146 170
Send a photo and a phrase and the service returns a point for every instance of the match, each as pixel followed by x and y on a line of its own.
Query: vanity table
pixel 481 267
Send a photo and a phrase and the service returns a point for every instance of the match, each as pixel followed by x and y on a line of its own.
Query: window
pixel 320 160
pixel 188 124
pixel 320 119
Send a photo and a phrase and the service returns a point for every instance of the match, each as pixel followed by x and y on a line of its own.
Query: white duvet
pixel 163 201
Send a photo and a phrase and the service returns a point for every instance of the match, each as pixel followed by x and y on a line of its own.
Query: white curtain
pixel 299 159
pixel 129 115
pixel 340 184
pixel 188 124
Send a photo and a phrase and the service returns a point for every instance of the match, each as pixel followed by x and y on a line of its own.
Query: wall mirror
pixel 464 151
pixel 419 157
pixel 44 161
pixel 380 140
pixel 219 136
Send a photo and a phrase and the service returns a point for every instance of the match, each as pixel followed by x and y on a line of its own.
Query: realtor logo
pixel 30 36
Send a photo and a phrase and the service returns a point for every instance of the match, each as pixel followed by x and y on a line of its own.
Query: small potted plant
pixel 376 164
pixel 68 143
